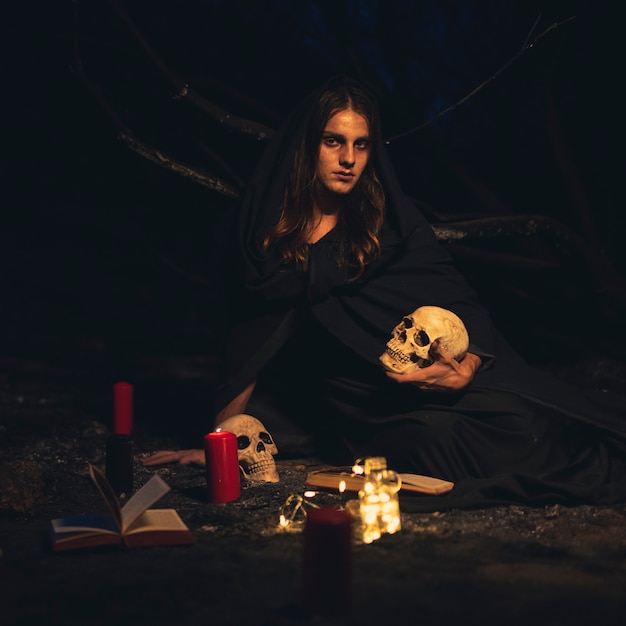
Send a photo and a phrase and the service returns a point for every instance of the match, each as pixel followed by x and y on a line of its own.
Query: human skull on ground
pixel 255 448
pixel 411 340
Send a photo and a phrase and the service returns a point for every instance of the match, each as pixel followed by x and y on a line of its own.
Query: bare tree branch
pixel 527 46
pixel 184 92
pixel 608 281
pixel 223 164
pixel 152 154
pixel 160 158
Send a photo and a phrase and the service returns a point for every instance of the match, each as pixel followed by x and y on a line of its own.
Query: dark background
pixel 104 252
pixel 104 275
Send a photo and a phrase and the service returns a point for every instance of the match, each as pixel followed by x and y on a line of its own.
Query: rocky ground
pixel 507 564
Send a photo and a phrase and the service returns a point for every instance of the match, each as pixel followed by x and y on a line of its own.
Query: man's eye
pixel 362 145
pixel 330 141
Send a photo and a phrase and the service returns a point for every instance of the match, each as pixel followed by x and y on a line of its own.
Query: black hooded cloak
pixel 313 339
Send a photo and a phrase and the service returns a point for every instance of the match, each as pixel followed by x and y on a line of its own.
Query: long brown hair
pixel 361 218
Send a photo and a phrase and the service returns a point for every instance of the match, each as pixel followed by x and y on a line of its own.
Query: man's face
pixel 344 151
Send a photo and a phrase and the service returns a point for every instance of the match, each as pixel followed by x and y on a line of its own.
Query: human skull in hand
pixel 411 340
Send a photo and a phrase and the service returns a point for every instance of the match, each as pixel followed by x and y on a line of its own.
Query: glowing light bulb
pixel 378 500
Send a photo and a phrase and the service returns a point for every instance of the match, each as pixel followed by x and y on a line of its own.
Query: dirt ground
pixel 505 565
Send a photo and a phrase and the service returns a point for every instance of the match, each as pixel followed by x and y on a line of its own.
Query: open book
pixel 133 525
pixel 342 479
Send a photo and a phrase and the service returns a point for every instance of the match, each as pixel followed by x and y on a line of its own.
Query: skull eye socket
pixel 408 322
pixel 422 338
pixel 265 438
pixel 243 441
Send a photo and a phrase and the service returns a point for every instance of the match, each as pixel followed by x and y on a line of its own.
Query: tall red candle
pixel 326 575
pixel 122 408
pixel 222 466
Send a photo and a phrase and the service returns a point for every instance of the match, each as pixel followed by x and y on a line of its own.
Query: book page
pixel 158 527
pixel 143 499
pixel 83 531
pixel 107 492
pixel 85 523
pixel 157 519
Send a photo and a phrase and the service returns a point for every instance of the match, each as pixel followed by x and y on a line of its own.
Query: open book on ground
pixel 343 479
pixel 133 525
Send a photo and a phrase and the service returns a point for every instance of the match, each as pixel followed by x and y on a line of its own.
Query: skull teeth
pixel 398 356
pixel 254 468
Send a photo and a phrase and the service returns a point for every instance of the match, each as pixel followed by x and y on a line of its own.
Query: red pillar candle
pixel 326 567
pixel 122 408
pixel 222 466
